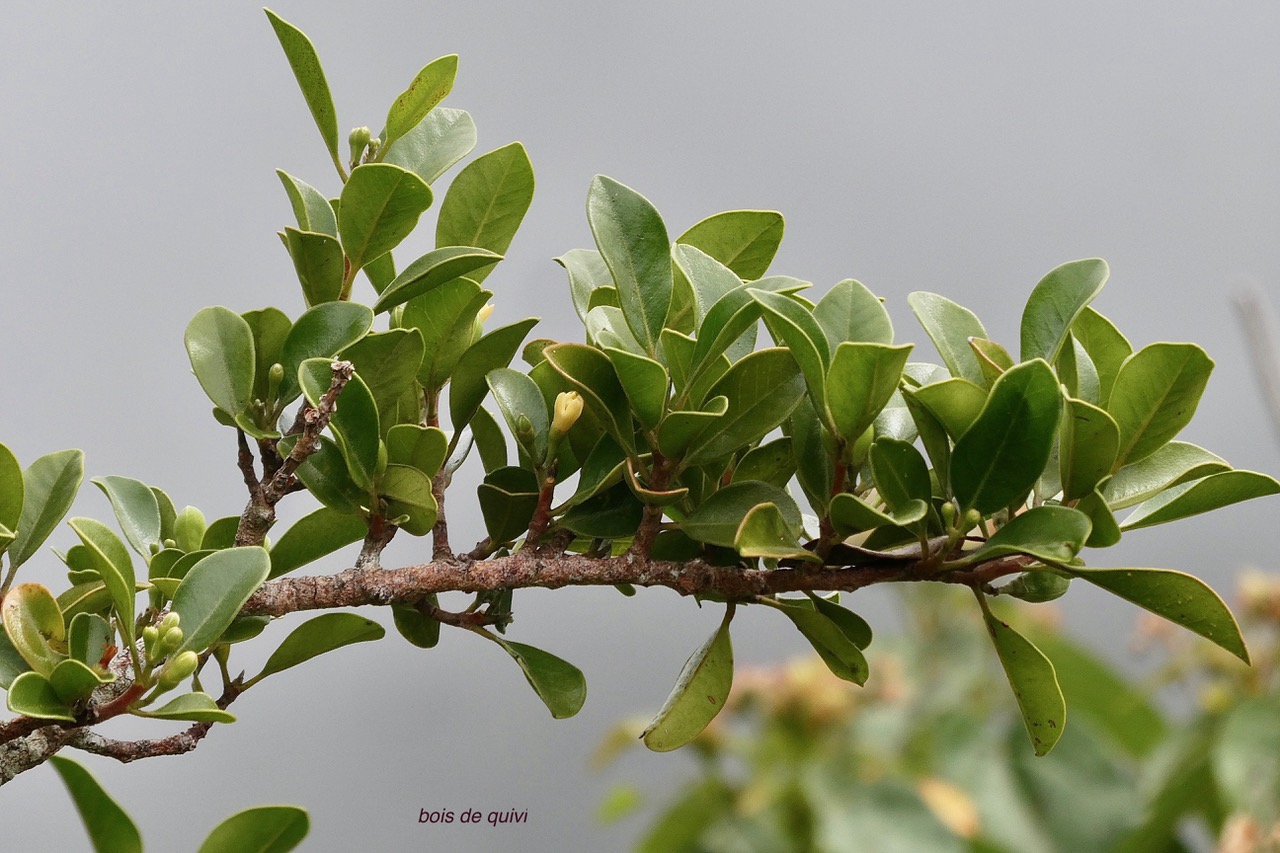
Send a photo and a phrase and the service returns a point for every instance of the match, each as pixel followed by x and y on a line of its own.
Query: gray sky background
pixel 961 148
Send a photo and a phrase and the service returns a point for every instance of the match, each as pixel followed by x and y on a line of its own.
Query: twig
pixel 1259 335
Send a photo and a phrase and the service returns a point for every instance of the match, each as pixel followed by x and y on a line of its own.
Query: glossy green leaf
pixel 380 205
pixel 325 475
pixel 88 636
pixel 849 312
pixel 49 486
pixel 558 683
pixel 1178 597
pixel 771 462
pixel 613 513
pixel 999 458
pixel 388 362
pixel 73 681
pixel 88 597
pixel 956 403
pixel 814 451
pixel 762 390
pixel 1208 493
pixel 516 395
pixel 264 829
pixel 709 280
pixel 699 693
pixel 315 89
pixel 1107 348
pixel 415 626
pixel 310 206
pixel 434 269
pixel 321 332
pixel 900 472
pixel 409 497
pixel 111 559
pixel 633 241
pixel 215 589
pixel 31 695
pixel 950 326
pixel 319 262
pixel 841 655
pixel 745 241
pixel 679 429
pixel 34 624
pixel 192 707
pixel 380 272
pixel 354 422
pixel 220 346
pixel 445 316
pixel 862 378
pixel 802 335
pixel 1052 533
pixel 602 469
pixel 1175 463
pixel 136 509
pixel 315 535
pixel 496 349
pixel 1055 303
pixel 508 498
pixel 851 514
pixel 1087 445
pixel 1154 396
pixel 270 327
pixel 718 518
pixel 487 201
pixel 429 87
pixel 645 382
pixel 318 636
pixel 421 447
pixel 764 532
pixel 1034 683
pixel 110 829
pixel 1077 372
pixel 441 139
pixel 591 374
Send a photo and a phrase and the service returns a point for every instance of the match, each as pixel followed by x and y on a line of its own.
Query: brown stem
pixel 651 520
pixel 542 514
pixel 440 549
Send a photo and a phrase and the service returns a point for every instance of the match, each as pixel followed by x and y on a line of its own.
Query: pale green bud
pixel 358 140
pixel 177 669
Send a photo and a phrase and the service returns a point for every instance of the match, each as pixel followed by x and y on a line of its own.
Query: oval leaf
pixel 136 509
pixel 31 695
pixel 220 346
pixel 111 559
pixel 193 707
pixel 212 593
pixel 1154 396
pixel 717 519
pixel 34 623
pixel 699 694
pixel 434 269
pixel 313 536
pixel 318 636
pixel 558 683
pixel 1209 493
pixel 1034 683
pixel 487 201
pixel 380 205
pixel 745 241
pixel 950 326
pixel 1055 303
pixel 49 485
pixel 264 829
pixel 110 828
pixel 429 87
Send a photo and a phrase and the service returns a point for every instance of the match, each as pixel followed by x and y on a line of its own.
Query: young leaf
pixel 212 593
pixel 192 707
pixel 1107 348
pixel 136 509
pixel 1052 533
pixel 762 390
pixel 849 312
pixel 1034 682
pixel 1178 597
pixel 717 519
pixel 380 205
pixel 745 241
pixel 699 693
pixel 220 346
pixel 486 202
pixel 313 536
pixel 955 403
pixel 950 326
pixel 315 89
pixel 862 378
pixel 999 458
pixel 264 829
pixel 434 269
pixel 1212 492
pixel 112 560
pixel 318 636
pixel 1055 303
pixel 429 87
pixel 441 139
pixel 633 240
pixel 496 349
pixel 558 683
pixel 310 207
pixel 33 623
pixel 31 695
pixel 1154 396
pixel 49 486
pixel 319 262
pixel 110 828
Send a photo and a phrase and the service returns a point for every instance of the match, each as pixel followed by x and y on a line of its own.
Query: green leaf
pixel 313 536
pixel 193 707
pixel 434 269
pixel 264 829
pixel 12 663
pixel 699 693
pixel 415 626
pixel 110 828
pixel 319 262
pixel 645 382
pixel 496 349
pixel 558 683
pixel 591 374
pixel 423 448
pixel 841 655
pixel 220 346
pixel 1154 396
pixel 380 205
pixel 1181 598
pixel 1244 763
pixel 814 451
pixel 409 498
pixel 270 327
pixel 354 422
pixel 88 636
pixel 11 492
pixel 388 362
pixel 804 338
pixel 215 589
pixel 516 395
pixel 1052 533
pixel 853 625
pixel 508 498
pixel 1034 682
pixel 1055 303
pixel 1106 532
pixel 318 636
pixel 717 519
pixel 310 207
pixel 325 475
pixel 849 312
pixel 445 315
pixel 633 240
pixel 431 85
pixel 321 332
pixel 306 68
pixel 1087 445
pixel 587 272
pixel 862 378
pixel 1209 493
pixel 1175 463
pixel 764 532
pixel 73 680
pixel 955 403
pixel 762 390
pixel 136 509
pixel 708 279
pixel 31 695
pixel 487 201
pixel 999 458
pixel 900 472
pixel 1107 348
pixel 950 326
pixel 49 485
pixel 745 241
pixel 771 462
pixel 441 139
pixel 112 560
pixel 851 514
pixel 34 624
pixel 614 513
pixel 993 359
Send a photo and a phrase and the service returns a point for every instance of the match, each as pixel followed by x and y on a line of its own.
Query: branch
pixel 1261 340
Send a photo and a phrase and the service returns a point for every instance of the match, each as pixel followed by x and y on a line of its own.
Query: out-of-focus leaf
pixel 110 829
pixel 264 829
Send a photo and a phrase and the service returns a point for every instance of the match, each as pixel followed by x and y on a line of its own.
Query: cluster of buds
pixel 159 641
pixel 364 145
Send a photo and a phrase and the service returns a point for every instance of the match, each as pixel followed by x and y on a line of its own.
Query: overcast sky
pixel 961 148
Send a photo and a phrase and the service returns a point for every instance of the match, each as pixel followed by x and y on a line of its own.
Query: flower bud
pixel 484 313
pixel 150 635
pixel 568 409
pixel 948 515
pixel 275 375
pixel 188 529
pixel 170 621
pixel 169 641
pixel 524 430
pixel 178 669
pixel 358 140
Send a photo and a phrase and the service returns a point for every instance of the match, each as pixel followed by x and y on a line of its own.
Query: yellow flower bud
pixel 484 313
pixel 568 409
